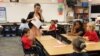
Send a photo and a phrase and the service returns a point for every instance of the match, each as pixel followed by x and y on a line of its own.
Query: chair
pixel 6 30
pixel 27 52
pixel 13 30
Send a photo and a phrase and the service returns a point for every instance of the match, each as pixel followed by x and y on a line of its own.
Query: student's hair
pixel 92 25
pixel 53 21
pixel 79 44
pixel 80 23
pixel 25 31
pixel 37 4
pixel 23 20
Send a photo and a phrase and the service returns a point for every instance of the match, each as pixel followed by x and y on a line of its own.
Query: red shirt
pixel 26 42
pixel 92 36
pixel 52 27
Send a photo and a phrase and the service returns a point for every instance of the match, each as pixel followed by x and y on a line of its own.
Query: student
pixel 53 26
pixel 90 33
pixel 79 45
pixel 77 29
pixel 23 24
pixel 36 14
pixel 28 41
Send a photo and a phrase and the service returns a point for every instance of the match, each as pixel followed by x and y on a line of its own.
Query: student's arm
pixel 77 34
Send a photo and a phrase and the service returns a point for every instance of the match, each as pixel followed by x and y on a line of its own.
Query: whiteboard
pixel 16 11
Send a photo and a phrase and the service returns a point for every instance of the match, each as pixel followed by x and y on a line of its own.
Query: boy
pixel 28 41
pixel 78 46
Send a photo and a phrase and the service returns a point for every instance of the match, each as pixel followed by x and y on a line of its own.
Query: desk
pixel 54 46
pixel 45 27
pixel 66 26
pixel 90 46
pixel 93 46
pixel 69 37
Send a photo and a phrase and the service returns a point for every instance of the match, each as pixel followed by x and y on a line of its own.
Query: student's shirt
pixel 92 36
pixel 80 30
pixel 53 27
pixel 79 54
pixel 23 26
pixel 26 42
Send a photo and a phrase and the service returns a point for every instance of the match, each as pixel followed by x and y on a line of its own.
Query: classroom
pixel 49 27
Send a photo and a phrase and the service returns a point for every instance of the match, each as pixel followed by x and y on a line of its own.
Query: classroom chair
pixel 6 31
pixel 13 30
pixel 27 52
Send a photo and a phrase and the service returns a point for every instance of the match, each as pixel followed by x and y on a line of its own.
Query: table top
pixel 56 47
pixel 91 46
pixel 69 37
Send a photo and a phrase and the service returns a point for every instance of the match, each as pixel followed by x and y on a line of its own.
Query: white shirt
pixel 23 26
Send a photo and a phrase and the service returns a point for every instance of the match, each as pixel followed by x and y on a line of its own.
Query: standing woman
pixel 36 14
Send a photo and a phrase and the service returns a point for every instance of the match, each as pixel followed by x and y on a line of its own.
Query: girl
pixel 77 29
pixel 53 26
pixel 90 33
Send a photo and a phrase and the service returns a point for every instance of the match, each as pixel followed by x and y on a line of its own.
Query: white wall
pixel 16 11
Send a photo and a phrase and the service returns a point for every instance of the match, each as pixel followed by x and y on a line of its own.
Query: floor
pixel 10 46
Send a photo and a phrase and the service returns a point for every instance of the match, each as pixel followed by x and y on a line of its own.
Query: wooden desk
pixel 66 26
pixel 93 46
pixel 54 46
pixel 46 27
pixel 90 46
pixel 69 37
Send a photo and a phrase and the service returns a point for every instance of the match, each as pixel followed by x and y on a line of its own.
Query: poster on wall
pixel 60 9
pixel 2 14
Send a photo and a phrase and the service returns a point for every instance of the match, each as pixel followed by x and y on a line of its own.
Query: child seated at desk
pixel 90 33
pixel 28 41
pixel 77 29
pixel 53 26
pixel 79 45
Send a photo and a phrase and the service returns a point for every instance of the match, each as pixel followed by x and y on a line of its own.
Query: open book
pixel 37 23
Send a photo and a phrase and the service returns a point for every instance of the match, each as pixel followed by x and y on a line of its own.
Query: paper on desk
pixel 36 23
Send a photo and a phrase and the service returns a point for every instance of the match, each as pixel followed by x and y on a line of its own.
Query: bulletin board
pixel 2 14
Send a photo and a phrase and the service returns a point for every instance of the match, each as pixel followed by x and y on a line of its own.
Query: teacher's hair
pixel 37 4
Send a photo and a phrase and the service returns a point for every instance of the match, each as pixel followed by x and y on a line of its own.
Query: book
pixel 37 23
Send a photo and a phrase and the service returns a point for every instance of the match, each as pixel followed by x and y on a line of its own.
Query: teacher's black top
pixel 30 16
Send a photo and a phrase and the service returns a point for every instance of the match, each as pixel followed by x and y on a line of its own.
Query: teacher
pixel 37 14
